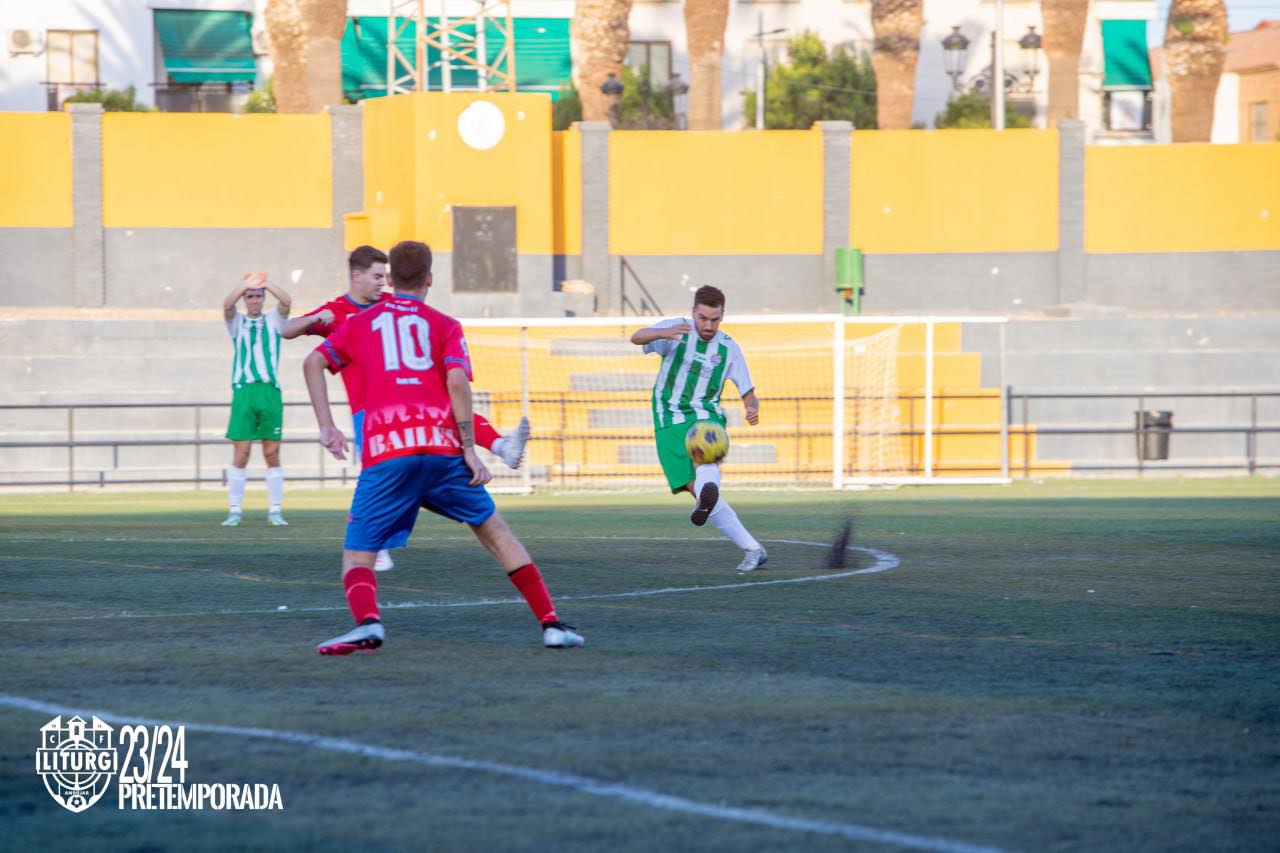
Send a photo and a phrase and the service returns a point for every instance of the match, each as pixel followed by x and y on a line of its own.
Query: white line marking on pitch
pixel 584 784
pixel 884 562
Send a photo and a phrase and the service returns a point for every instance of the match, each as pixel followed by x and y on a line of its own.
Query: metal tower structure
pixel 460 42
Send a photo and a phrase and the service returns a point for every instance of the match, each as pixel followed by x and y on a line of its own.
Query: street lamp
pixel 954 48
pixel 678 89
pixel 612 88
pixel 1030 44
pixel 763 70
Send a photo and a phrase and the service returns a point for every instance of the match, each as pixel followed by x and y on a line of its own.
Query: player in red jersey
pixel 419 447
pixel 367 268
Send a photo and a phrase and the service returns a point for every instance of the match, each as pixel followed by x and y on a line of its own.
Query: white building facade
pixel 72 45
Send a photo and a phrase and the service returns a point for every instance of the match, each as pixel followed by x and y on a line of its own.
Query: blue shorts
pixel 389 494
pixel 357 424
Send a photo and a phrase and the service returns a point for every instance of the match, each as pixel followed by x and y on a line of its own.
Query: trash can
pixel 850 278
pixel 1153 430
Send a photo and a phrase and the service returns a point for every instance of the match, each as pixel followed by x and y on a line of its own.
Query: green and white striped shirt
pixel 692 376
pixel 257 345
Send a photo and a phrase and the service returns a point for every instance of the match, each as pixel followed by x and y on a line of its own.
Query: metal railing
pixel 797 445
pixel 625 269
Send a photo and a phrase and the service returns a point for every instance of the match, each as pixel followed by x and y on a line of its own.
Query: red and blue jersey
pixel 344 307
pixel 401 351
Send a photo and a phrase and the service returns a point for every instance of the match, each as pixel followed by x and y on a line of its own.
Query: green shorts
pixel 675 460
pixel 256 413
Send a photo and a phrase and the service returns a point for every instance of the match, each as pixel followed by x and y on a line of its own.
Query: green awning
pixel 542 56
pixel 1125 61
pixel 206 47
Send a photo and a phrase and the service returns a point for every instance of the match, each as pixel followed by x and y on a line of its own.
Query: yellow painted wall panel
pixel 214 170
pixel 954 191
pixel 566 188
pixel 1182 198
pixel 417 161
pixel 35 170
pixel 715 193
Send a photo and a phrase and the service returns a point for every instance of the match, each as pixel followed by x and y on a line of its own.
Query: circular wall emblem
pixel 481 125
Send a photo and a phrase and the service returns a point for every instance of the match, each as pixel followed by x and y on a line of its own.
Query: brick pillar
pixel 596 264
pixel 837 162
pixel 1072 285
pixel 88 259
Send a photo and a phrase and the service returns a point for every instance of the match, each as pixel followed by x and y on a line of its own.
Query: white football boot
pixel 752 560
pixel 233 520
pixel 511 448
pixel 557 635
pixel 362 638
pixel 383 562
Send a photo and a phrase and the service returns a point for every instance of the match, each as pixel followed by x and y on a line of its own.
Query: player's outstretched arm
pixel 299 325
pixel 459 387
pixel 284 300
pixel 752 407
pixel 655 333
pixel 313 369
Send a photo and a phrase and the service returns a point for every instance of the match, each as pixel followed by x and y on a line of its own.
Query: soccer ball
pixel 706 442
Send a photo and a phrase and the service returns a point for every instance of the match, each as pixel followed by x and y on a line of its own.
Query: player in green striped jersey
pixel 257 412
pixel 697 358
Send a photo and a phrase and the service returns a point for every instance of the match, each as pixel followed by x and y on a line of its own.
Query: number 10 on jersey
pixel 401 348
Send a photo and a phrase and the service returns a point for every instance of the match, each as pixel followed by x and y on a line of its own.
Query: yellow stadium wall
pixel 566 188
pixel 954 191
pixel 1182 198
pixel 715 193
pixel 35 170
pixel 417 167
pixel 210 170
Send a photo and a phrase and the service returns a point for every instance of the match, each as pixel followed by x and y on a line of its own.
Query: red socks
pixel 486 435
pixel 362 593
pixel 528 580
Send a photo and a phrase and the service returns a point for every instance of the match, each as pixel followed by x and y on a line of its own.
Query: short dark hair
pixel 709 296
pixel 410 264
pixel 364 257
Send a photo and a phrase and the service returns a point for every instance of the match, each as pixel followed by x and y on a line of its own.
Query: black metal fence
pixel 800 444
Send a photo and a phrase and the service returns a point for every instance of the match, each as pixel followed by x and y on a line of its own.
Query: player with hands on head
pixel 257 411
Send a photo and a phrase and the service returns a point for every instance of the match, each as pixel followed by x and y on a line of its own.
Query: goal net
pixel 824 418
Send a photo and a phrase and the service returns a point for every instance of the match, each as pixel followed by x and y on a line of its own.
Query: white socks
pixel 723 516
pixel 235 487
pixel 726 521
pixel 702 475
pixel 275 488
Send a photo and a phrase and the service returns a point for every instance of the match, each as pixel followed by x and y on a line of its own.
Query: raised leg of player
pixel 498 540
pixel 706 491
pixel 721 514
pixel 509 448
pixel 486 435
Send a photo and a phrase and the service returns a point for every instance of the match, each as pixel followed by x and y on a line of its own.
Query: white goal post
pixel 845 400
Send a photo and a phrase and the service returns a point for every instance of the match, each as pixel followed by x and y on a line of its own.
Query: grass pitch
pixel 1081 665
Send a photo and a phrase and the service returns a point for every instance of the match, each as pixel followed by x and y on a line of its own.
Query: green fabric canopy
pixel 1125 61
pixel 542 56
pixel 206 47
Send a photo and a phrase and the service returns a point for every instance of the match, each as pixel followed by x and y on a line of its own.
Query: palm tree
pixel 1063 36
pixel 306 50
pixel 704 23
pixel 598 38
pixel 1195 46
pixel 896 24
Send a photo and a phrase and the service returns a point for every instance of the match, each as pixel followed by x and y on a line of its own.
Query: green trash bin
pixel 850 281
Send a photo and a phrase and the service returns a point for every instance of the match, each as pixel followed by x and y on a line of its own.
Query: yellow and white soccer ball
pixel 707 442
